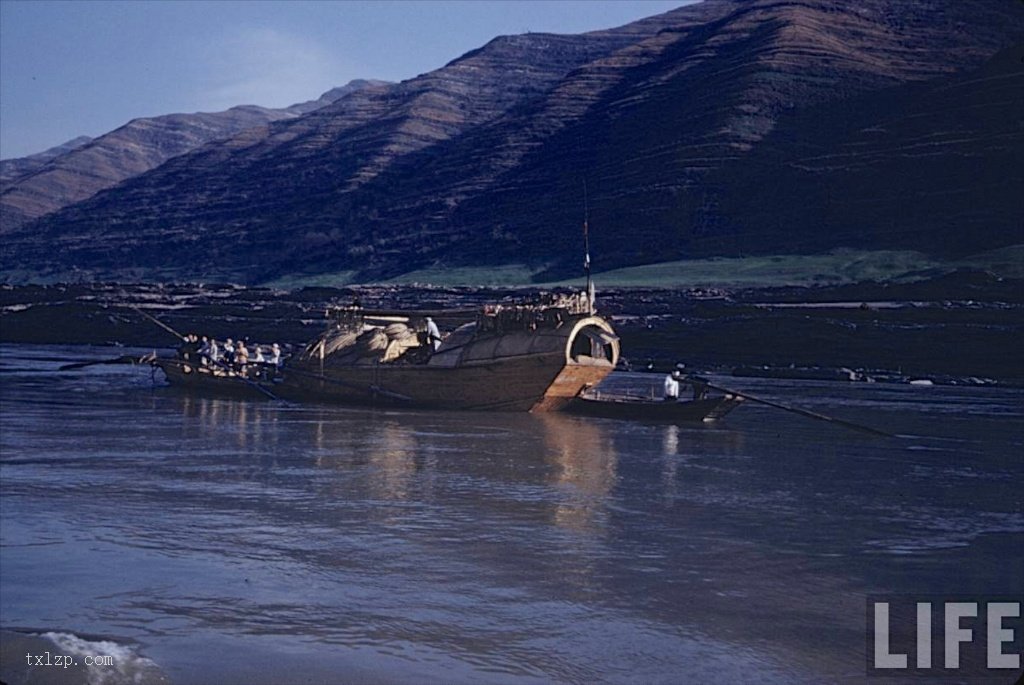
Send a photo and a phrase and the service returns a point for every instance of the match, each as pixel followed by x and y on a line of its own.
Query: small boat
pixel 212 379
pixel 635 408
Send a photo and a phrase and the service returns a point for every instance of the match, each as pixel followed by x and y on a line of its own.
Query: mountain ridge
pixel 484 160
pixel 18 167
pixel 41 184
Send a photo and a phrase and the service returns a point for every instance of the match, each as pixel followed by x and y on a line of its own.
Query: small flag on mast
pixel 586 246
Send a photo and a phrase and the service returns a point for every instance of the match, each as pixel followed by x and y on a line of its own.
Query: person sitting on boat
pixel 204 350
pixel 433 334
pixel 258 357
pixel 700 390
pixel 229 351
pixel 241 356
pixel 189 347
pixel 214 351
pixel 275 354
pixel 672 386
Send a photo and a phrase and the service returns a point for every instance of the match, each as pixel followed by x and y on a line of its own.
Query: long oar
pixel 371 389
pixel 796 410
pixel 245 380
pixel 124 359
pixel 160 323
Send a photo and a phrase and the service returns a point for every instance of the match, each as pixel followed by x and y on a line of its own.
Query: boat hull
pixel 527 369
pixel 200 379
pixel 704 410
pixel 543 382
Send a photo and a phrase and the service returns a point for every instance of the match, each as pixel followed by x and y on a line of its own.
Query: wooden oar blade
pixel 795 410
pixel 123 359
pixel 77 365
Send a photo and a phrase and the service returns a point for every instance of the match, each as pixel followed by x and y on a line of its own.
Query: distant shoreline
pixel 967 325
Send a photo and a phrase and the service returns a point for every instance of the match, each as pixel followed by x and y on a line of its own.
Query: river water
pixel 207 540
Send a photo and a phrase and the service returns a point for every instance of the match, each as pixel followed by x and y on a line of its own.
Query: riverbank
pixel 958 327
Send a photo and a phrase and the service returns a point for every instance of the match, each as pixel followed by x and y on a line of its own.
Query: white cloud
pixel 268 67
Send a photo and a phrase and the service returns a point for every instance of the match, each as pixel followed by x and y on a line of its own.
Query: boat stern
pixel 591 353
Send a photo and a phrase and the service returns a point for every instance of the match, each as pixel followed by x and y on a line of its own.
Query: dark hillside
pixel 39 185
pixel 938 165
pixel 727 127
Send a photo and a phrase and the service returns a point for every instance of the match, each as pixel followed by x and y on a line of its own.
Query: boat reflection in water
pixel 393 462
pixel 585 470
pixel 398 456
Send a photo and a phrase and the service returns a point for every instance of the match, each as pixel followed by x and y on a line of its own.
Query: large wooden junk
pixel 534 357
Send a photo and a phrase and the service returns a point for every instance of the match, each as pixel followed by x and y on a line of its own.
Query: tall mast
pixel 586 250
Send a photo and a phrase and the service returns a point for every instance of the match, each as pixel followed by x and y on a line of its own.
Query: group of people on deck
pixel 237 357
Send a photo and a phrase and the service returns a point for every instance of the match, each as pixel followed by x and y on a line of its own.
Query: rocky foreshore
pixel 963 329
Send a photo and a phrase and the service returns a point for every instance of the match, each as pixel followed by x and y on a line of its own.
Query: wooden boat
pixel 533 357
pixel 212 379
pixel 705 409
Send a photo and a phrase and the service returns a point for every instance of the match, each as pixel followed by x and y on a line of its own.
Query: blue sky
pixel 83 67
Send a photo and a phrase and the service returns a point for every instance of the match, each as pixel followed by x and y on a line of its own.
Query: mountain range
pixel 43 183
pixel 727 127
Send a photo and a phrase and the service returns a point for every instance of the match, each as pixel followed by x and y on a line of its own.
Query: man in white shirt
pixel 433 334
pixel 672 386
